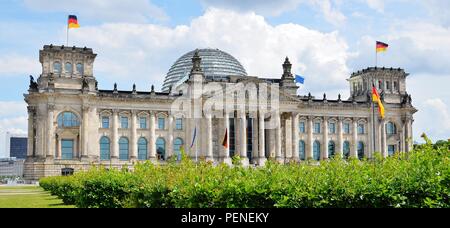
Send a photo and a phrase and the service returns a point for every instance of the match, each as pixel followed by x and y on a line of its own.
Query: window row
pixel 105 148
pixel 68 68
pixel 142 122
pixel 317 152
pixel 332 129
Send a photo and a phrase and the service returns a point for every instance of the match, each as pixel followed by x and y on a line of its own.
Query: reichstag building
pixel 209 108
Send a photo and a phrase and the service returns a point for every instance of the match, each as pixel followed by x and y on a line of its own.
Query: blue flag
pixel 299 79
pixel 193 138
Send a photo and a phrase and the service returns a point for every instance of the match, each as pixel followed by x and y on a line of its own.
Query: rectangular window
pixel 178 124
pixel 66 149
pixel 161 123
pixel 361 129
pixel 105 122
pixel 395 86
pixel 143 122
pixel 302 127
pixel 391 150
pixel 380 85
pixel 123 122
pixel 346 128
pixel 332 128
pixel 316 128
pixel 388 85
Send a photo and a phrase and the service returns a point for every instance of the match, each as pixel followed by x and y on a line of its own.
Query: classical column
pixel 84 133
pixel 226 150
pixel 325 138
pixel 58 147
pixel 295 139
pixel 262 141
pixel 278 156
pixel 152 141
pixel 30 140
pixel 309 152
pixel 209 138
pixel 340 146
pixel 51 132
pixel 383 139
pixel 115 135
pixel 408 128
pixel 243 141
pixel 170 137
pixel 354 149
pixel 133 147
pixel 255 141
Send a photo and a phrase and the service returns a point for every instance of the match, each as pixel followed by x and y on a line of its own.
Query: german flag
pixel 381 47
pixel 73 22
pixel 225 139
pixel 376 98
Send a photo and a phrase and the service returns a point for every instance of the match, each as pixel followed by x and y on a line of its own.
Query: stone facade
pixel 73 124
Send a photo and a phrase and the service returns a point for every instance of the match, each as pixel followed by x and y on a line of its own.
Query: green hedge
pixel 415 180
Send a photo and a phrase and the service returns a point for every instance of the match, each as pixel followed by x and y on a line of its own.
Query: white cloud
pixel 144 52
pixel 442 112
pixel 332 14
pixel 109 10
pixel 439 10
pixel 377 5
pixel 263 7
pixel 13 64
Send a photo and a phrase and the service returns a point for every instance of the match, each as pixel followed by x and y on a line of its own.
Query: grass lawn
pixel 28 197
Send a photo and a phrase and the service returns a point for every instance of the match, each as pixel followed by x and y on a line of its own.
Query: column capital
pixel 115 111
pixel 86 108
pixel 51 107
pixel 31 109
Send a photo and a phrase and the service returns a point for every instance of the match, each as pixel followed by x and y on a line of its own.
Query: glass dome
pixel 216 65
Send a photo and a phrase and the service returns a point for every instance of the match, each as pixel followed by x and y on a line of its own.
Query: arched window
pixel 68 68
pixel 104 148
pixel 331 149
pixel 68 119
pixel 161 148
pixel 123 149
pixel 391 129
pixel 360 150
pixel 346 149
pixel 361 130
pixel 316 150
pixel 301 150
pixel 57 67
pixel 142 148
pixel 80 68
pixel 177 144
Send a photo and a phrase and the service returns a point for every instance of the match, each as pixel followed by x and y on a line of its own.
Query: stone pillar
pixel 170 137
pixel 408 128
pixel 84 133
pixel 340 144
pixel 403 137
pixel 354 148
pixel 226 150
pixel 243 141
pixel 51 133
pixel 58 147
pixel 255 141
pixel 30 140
pixel 262 141
pixel 115 135
pixel 209 138
pixel 310 147
pixel 133 141
pixel 295 138
pixel 152 141
pixel 325 138
pixel 278 156
pixel 384 152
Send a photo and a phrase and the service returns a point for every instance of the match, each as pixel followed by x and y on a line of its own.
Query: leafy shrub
pixel 414 180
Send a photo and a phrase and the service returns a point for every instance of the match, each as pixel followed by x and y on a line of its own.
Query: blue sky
pixel 137 42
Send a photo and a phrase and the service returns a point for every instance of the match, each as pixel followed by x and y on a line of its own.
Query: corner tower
pixel 66 68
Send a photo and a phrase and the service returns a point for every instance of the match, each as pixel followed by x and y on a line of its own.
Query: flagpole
pixel 376 58
pixel 373 120
pixel 67 40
